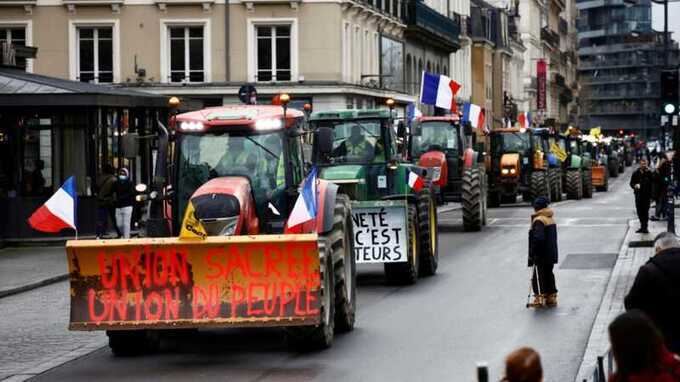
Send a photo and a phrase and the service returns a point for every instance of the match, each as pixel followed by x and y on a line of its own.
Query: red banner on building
pixel 541 74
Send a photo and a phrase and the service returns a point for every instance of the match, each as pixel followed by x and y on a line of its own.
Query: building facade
pixel 620 58
pixel 330 54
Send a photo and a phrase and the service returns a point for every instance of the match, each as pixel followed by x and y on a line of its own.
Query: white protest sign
pixel 380 232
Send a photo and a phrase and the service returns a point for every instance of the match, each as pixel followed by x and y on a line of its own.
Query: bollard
pixel 482 372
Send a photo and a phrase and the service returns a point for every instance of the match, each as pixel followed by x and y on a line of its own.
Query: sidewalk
pixel 26 268
pixel 635 250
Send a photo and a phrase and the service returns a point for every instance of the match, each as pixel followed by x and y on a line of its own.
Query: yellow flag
pixel 191 226
pixel 595 132
pixel 559 153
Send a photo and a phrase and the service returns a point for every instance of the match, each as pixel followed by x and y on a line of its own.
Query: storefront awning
pixel 19 88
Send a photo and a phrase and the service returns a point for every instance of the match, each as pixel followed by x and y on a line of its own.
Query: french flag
pixel 58 212
pixel 439 90
pixel 305 206
pixel 415 181
pixel 473 114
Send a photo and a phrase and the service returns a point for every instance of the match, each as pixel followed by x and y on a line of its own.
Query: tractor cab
pixel 239 166
pixel 511 151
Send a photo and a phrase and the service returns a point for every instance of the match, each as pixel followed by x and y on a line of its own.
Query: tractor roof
pixel 349 114
pixel 445 118
pixel 240 115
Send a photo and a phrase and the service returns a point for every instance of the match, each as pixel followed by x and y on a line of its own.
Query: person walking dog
pixel 543 254
pixel 641 183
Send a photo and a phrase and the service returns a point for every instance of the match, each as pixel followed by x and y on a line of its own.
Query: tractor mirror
pixel 324 140
pixel 130 145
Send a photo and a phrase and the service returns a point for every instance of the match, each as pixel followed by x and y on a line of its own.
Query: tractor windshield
pixel 435 136
pixel 515 142
pixel 207 156
pixel 357 141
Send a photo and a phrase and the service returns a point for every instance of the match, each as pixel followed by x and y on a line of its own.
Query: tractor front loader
pixel 228 247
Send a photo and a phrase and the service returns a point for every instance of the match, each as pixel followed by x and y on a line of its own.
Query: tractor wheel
pixel 613 169
pixel 560 185
pixel 587 183
pixel 574 188
pixel 126 343
pixel 406 273
pixel 622 167
pixel 341 239
pixel 554 175
pixel 539 186
pixel 473 203
pixel 428 240
pixel 317 337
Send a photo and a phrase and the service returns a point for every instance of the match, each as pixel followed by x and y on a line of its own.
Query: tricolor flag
pixel 473 114
pixel 439 90
pixel 522 119
pixel 305 206
pixel 58 212
pixel 415 181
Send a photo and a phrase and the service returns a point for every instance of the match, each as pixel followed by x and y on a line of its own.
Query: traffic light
pixel 670 98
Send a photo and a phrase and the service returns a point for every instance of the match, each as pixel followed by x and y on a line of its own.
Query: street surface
pixel 473 310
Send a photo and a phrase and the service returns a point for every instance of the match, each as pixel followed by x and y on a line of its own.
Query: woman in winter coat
pixel 639 351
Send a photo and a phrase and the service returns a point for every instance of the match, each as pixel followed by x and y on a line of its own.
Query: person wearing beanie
pixel 543 254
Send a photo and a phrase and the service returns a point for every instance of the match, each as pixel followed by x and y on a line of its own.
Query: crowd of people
pixel 115 201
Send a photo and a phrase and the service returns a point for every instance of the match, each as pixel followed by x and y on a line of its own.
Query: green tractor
pixel 394 210
pixel 518 166
pixel 577 169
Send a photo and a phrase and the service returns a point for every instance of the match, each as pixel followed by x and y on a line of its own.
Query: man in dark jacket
pixel 656 289
pixel 543 254
pixel 661 179
pixel 105 200
pixel 641 183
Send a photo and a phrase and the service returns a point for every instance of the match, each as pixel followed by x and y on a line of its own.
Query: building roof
pixel 19 88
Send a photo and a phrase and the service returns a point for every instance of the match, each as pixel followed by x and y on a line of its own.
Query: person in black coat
pixel 543 254
pixel 662 177
pixel 656 289
pixel 641 182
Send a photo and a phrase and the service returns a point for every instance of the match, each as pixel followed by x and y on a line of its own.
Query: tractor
pixel 518 166
pixel 229 246
pixel 445 146
pixel 578 179
pixel 596 147
pixel 393 207
pixel 554 153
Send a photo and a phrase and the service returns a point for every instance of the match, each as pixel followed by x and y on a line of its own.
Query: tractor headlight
pixel 436 173
pixel 505 171
pixel 513 171
pixel 220 227
pixel 191 126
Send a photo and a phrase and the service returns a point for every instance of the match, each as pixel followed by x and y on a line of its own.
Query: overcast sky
pixel 673 19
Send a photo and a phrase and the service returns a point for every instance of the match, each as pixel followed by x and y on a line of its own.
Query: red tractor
pixel 224 251
pixel 445 146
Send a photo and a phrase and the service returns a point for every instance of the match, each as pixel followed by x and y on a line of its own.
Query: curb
pixel 444 209
pixel 34 285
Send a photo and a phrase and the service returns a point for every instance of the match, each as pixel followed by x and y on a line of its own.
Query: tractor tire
pixel 341 240
pixel 587 183
pixel 605 186
pixel 613 169
pixel 318 337
pixel 574 189
pixel 539 186
pixel 560 186
pixel 428 239
pixel 406 273
pixel 554 176
pixel 127 343
pixel 473 203
pixel 622 167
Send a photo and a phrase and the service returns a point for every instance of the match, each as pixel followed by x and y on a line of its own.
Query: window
pixel 273 52
pixel 14 36
pixel 187 54
pixel 94 54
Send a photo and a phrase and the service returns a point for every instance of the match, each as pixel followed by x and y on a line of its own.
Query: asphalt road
pixel 473 310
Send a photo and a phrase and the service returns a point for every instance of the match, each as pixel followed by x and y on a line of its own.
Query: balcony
pixel 622 94
pixel 566 96
pixel 429 26
pixel 26 3
pixel 563 26
pixel 464 22
pixel 619 63
pixel 550 37
pixel 559 80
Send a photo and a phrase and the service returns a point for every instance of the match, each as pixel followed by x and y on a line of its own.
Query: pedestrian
pixel 639 351
pixel 641 183
pixel 543 254
pixel 661 179
pixel 124 201
pixel 105 200
pixel 523 365
pixel 656 289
